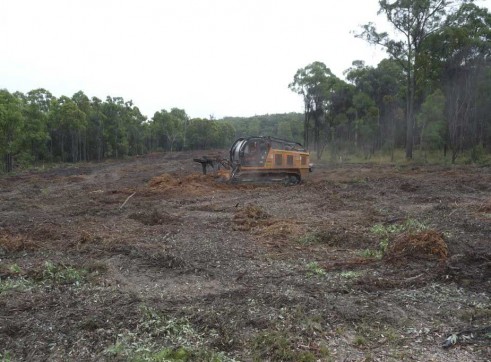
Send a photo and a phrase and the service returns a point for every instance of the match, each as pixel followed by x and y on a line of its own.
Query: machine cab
pixel 250 152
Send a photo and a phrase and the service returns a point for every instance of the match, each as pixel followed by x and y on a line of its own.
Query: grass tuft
pixel 313 268
pixel 276 346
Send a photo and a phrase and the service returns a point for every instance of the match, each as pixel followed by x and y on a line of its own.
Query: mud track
pixel 124 260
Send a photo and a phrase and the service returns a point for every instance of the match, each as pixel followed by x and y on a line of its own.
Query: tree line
pixel 38 127
pixel 432 92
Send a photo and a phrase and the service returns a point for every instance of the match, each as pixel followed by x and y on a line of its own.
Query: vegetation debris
pixel 15 242
pixel 427 245
pixel 249 217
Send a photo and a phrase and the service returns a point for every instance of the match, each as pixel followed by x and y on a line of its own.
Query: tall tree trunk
pixel 317 135
pixel 411 85
pixel 74 148
pixel 116 144
pixel 8 162
pixel 306 129
pixel 62 147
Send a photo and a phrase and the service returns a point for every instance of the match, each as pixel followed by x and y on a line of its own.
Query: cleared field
pixel 146 259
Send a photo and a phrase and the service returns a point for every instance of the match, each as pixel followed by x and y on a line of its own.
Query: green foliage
pixel 319 87
pixel 14 268
pixel 288 126
pixel 169 128
pixel 157 324
pixel 143 353
pixel 434 91
pixel 50 274
pixel 360 341
pixel 478 155
pixel 431 121
pixel 11 124
pixel 351 274
pixel 20 284
pixel 386 232
pixel 154 329
pixel 5 356
pixel 38 127
pixel 61 274
pixel 203 133
pixel 313 268
pixel 314 237
pixel 370 253
pixel 276 346
pixel 414 21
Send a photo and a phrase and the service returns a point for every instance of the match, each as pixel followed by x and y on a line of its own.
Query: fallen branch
pixel 467 336
pixel 414 278
pixel 125 201
pixel 451 213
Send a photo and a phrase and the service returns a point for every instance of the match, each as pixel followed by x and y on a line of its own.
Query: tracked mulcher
pixel 263 159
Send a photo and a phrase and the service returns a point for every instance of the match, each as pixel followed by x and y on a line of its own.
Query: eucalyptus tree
pixel 36 105
pixel 114 128
pixel 483 109
pixel 226 134
pixel 288 125
pixel 414 21
pixel 11 122
pixel 83 104
pixel 460 60
pixel 95 130
pixel 72 122
pixel 202 133
pixel 431 121
pixel 177 132
pixel 135 133
pixel 168 127
pixel 315 83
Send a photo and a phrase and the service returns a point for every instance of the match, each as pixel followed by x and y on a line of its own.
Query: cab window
pixel 278 160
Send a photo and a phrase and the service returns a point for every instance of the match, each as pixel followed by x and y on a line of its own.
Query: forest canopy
pixel 38 127
pixel 433 90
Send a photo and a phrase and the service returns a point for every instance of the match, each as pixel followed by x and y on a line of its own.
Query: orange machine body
pixel 269 158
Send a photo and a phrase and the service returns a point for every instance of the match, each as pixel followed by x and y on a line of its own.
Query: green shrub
pixel 20 284
pixel 385 232
pixel 313 268
pixel 61 274
pixel 5 356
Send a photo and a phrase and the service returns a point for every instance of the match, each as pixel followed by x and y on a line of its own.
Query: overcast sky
pixel 209 57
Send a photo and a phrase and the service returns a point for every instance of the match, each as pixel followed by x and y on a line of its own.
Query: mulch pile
pixel 15 242
pixel 250 217
pixel 154 217
pixel 282 229
pixel 194 184
pixel 426 245
pixel 271 231
pixel 486 207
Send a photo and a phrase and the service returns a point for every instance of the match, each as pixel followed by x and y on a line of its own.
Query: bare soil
pixel 124 260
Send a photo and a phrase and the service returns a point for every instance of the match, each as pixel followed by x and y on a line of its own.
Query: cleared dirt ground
pixel 146 259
